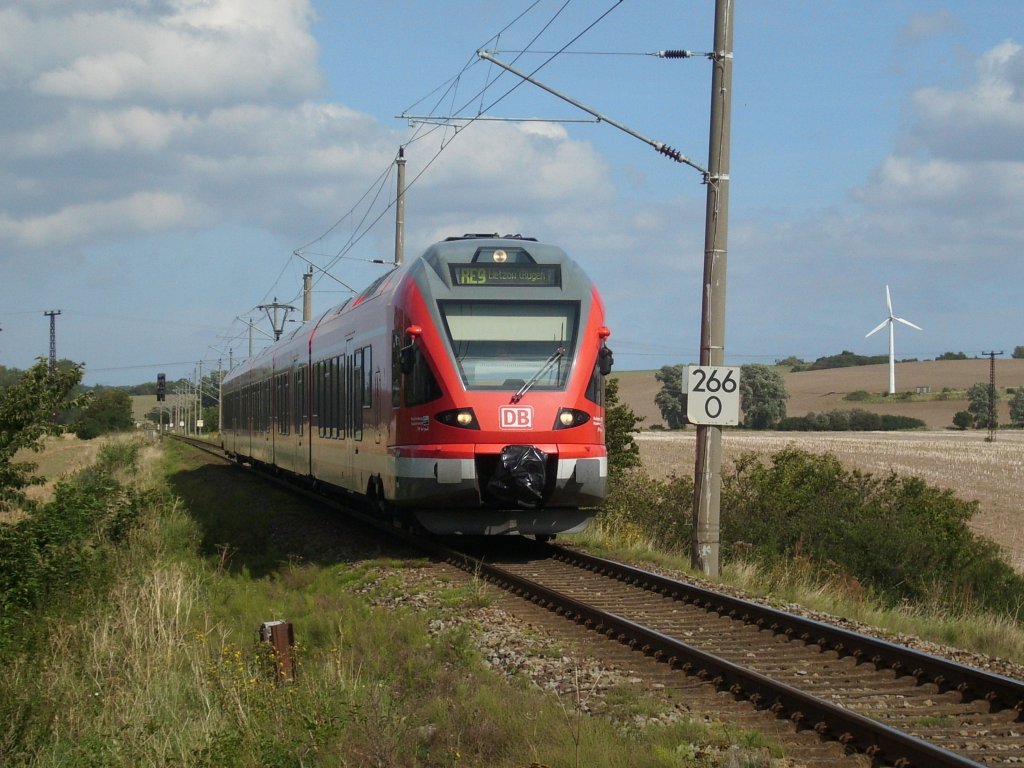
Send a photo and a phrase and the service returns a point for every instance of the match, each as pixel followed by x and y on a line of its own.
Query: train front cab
pixel 501 428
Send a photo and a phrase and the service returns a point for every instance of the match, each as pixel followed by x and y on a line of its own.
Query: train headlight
pixel 463 418
pixel 570 417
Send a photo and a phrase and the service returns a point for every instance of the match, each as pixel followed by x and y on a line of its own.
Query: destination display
pixel 543 275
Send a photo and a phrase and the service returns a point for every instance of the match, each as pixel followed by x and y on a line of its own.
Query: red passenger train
pixel 464 388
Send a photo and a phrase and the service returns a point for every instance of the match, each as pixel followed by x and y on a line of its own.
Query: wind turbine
pixel 891 320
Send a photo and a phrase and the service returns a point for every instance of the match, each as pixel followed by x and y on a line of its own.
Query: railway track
pixel 894 705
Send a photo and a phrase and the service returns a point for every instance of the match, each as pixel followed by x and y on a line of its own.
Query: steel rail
pixel 877 740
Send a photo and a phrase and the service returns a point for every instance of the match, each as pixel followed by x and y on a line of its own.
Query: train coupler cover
pixel 520 476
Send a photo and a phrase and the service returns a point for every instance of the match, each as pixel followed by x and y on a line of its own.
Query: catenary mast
pixel 707 469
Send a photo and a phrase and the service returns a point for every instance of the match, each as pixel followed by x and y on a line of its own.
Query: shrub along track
pixel 886 703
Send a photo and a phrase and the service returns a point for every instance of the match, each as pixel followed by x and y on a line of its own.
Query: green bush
pixel 59 550
pixel 109 411
pixel 645 511
pixel 857 420
pixel 903 540
pixel 858 396
pixel 898 536
pixel 963 419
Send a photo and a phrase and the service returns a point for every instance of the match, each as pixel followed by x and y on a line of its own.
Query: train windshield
pixel 503 345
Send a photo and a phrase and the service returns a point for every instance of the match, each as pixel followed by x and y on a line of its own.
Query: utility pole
pixel 199 399
pixel 400 209
pixel 993 418
pixel 307 296
pixel 708 463
pixel 52 314
pixel 707 481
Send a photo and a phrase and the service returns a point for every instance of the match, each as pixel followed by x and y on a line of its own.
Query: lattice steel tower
pixel 52 314
pixel 993 415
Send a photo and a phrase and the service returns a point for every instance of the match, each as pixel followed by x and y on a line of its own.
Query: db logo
pixel 516 416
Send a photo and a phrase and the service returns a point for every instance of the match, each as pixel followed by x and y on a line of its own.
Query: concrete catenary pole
pixel 707 470
pixel 400 209
pixel 307 296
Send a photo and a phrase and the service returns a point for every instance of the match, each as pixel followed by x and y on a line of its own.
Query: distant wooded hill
pixel 820 390
pixel 844 359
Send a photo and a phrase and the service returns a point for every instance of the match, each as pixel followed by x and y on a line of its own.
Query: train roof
pixel 456 263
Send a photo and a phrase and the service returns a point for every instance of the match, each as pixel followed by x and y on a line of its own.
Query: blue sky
pixel 164 158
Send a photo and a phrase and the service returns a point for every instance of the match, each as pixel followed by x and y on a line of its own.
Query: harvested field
pixel 818 391
pixel 990 473
pixel 61 457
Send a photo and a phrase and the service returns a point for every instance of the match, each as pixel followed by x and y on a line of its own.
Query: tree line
pixel 86 412
pixel 763 399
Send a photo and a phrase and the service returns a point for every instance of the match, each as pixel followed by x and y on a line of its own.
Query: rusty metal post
pixel 281 636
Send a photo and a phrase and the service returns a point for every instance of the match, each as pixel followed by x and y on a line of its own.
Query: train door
pixel 378 426
pixel 352 429
pixel 247 419
pixel 304 456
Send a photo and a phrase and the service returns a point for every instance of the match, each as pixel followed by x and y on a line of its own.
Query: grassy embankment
pixel 134 643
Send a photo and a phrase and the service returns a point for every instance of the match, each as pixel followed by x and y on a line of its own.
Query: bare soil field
pixel 990 473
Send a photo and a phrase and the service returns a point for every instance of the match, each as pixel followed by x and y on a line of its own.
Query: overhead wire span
pixel 448 91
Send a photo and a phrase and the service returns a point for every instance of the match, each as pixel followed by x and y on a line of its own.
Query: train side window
pixel 420 385
pixel 267 390
pixel 396 370
pixel 318 397
pixel 300 398
pixel 367 377
pixel 332 397
pixel 595 387
pixel 283 409
pixel 346 396
pixel 339 421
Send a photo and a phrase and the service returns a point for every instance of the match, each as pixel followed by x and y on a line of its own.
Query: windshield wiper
pixel 555 357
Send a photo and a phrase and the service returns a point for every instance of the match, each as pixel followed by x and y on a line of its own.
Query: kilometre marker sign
pixel 713 394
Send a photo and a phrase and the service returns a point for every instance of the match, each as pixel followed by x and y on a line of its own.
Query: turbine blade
pixel 878 327
pixel 907 322
pixel 888 300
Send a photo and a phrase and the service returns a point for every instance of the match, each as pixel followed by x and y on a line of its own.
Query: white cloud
pixel 504 165
pixel 922 26
pixel 140 213
pixel 955 184
pixel 982 122
pixel 175 53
